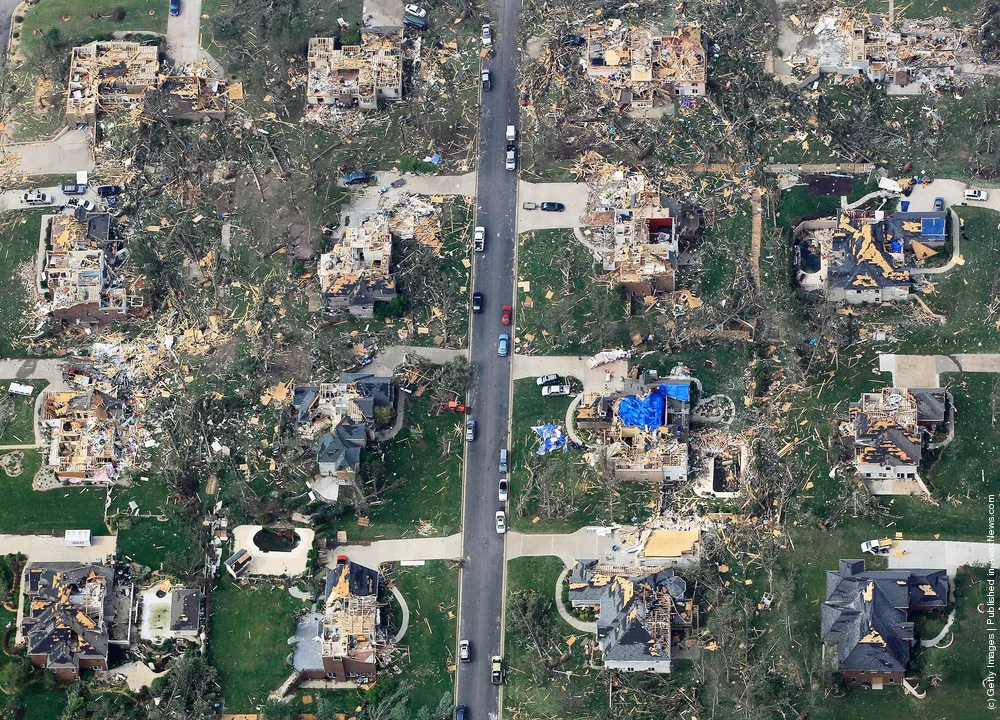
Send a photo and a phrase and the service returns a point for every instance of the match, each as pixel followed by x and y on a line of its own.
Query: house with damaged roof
pixel 866 256
pixel 640 619
pixel 341 417
pixel 887 432
pixel 355 274
pixel 90 433
pixel 73 612
pixel 865 626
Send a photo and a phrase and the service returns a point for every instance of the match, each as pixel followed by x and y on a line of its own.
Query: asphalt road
pixel 483 549
pixel 6 17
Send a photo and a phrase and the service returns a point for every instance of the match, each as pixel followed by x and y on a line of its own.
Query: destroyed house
pixel 639 619
pixel 356 75
pixel 355 274
pixel 882 52
pixel 86 438
pixel 68 617
pixel 83 279
pixel 649 436
pixel 865 627
pixel 642 70
pixel 193 97
pixel 865 256
pixel 890 428
pixel 352 631
pixel 105 76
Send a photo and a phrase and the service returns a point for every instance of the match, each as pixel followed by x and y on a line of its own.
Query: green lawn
pixel 584 315
pixel 248 632
pixel 25 510
pixel 426 458
pixel 22 430
pixel 19 240
pixel 78 23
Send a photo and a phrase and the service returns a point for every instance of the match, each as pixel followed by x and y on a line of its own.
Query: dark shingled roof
pixel 361 581
pixel 184 610
pixel 342 447
pixel 303 397
pixel 865 613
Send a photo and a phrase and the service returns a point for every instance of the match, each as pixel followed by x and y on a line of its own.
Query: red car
pixel 505 315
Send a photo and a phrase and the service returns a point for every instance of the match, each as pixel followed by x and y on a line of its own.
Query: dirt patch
pixel 65 17
pixel 535 47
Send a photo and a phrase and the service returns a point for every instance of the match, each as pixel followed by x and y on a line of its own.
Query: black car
pixel 477 302
pixel 574 40
pixel 552 206
pixel 460 713
pixel 109 190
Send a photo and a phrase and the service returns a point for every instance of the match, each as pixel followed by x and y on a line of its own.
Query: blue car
pixel 504 348
pixel 175 7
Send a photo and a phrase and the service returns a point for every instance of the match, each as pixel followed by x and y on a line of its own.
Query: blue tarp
pixel 896 246
pixel 648 412
pixel 552 438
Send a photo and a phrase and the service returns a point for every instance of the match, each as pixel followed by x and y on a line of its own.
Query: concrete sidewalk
pixel 382 551
pixel 950 555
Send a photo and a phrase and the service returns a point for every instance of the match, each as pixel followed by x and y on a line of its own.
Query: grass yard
pixel 427 455
pixel 81 22
pixel 26 511
pixel 19 240
pixel 21 431
pixel 249 629
pixel 571 312
pixel 148 540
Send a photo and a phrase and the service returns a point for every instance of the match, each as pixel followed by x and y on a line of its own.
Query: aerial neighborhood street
pixel 500 359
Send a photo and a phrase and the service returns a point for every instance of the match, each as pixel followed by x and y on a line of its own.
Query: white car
pixel 487 35
pixel 463 651
pixel 547 379
pixel 510 162
pixel 36 198
pixel 415 11
pixel 88 205
pixel 554 390
pixel 980 195
pixel 503 491
pixel 501 522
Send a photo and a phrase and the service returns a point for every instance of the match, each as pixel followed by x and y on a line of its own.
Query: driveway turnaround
pixel 291 563
pixel 572 195
pixel 52 548
pixel 68 153
pixel 950 555
pixel 922 197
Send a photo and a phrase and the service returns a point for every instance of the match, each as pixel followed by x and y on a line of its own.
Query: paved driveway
pixel 593 378
pixel 29 369
pixel 572 195
pixel 11 199
pixel 589 543
pixel 392 357
pixel 925 370
pixel 65 155
pixel 381 551
pixel 922 197
pixel 183 33
pixel 933 554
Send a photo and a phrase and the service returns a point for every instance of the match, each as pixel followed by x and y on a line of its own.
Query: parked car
pixel 502 490
pixel 463 651
pixel 980 195
pixel 356 178
pixel 877 547
pixel 503 461
pixel 414 22
pixel 552 206
pixel 341 560
pixel 510 160
pixel 73 189
pixel 574 40
pixel 470 430
pixel 477 302
pixel 487 35
pixel 460 712
pixel 485 76
pixel 505 315
pixel 88 205
pixel 938 204
pixel 479 239
pixel 415 11
pixel 36 198
pixel 109 190
pixel 501 522
pixel 496 669
pixel 503 346
pixel 175 7
pixel 547 379
pixel 554 390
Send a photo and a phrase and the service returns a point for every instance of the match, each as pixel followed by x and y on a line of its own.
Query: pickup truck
pixel 877 547
pixel 479 239
pixel 496 670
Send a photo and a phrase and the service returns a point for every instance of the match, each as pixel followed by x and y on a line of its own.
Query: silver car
pixel 470 430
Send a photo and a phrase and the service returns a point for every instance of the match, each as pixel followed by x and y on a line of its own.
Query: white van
pixel 980 195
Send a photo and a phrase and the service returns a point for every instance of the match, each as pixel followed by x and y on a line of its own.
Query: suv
pixel 463 651
pixel 503 460
pixel 487 35
pixel 414 22
pixel 976 195
pixel 36 198
pixel 109 190
pixel 477 303
pixel 175 7
pixel 510 160
pixel 485 77
pixel 503 345
pixel 938 204
pixel 356 178
pixel 470 430
pixel 549 379
pixel 73 189
pixel 553 390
